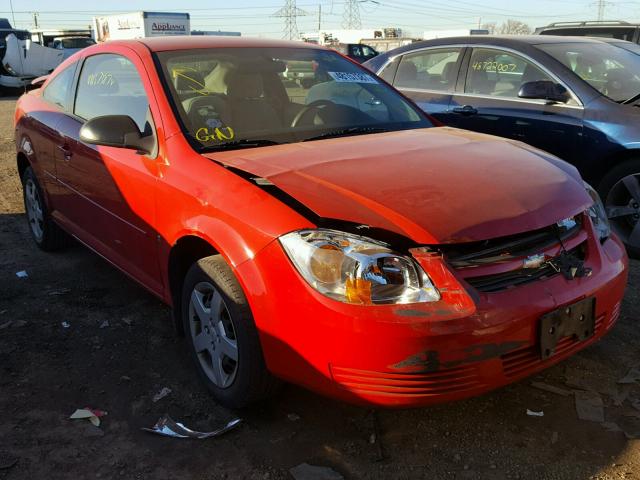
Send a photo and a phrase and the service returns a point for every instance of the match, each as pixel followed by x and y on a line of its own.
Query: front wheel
pixel 620 192
pixel 222 336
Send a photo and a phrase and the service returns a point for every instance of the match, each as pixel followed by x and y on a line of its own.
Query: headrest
pixel 189 80
pixel 532 74
pixel 245 85
pixel 407 71
pixel 449 72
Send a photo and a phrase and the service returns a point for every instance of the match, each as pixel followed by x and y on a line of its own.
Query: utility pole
pixel 352 15
pixel 13 15
pixel 290 12
pixel 601 6
pixel 35 19
pixel 319 17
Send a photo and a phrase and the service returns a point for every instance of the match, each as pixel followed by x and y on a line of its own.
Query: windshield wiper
pixel 343 132
pixel 633 99
pixel 239 144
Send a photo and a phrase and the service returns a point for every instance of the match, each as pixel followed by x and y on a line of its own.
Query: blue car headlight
pixel 598 214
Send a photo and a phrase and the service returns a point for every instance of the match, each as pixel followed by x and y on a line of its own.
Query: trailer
pixel 133 25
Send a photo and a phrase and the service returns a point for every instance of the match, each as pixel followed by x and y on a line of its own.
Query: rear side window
pixel 110 85
pixel 499 73
pixel 430 70
pixel 57 90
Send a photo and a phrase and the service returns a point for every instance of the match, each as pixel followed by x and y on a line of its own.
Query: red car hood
pixel 436 185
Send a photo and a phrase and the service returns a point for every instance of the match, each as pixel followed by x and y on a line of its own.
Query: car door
pixel 43 132
pixel 429 77
pixel 110 200
pixel 490 104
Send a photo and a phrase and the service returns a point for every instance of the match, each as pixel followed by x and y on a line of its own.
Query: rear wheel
pixel 47 235
pixel 222 336
pixel 620 192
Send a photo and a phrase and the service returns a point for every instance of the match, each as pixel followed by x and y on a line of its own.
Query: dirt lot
pixel 47 371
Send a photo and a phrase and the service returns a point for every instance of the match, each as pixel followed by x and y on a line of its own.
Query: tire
pixel 44 231
pixel 621 188
pixel 211 287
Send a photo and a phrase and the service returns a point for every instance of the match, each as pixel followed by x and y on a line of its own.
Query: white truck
pixel 128 26
pixel 22 59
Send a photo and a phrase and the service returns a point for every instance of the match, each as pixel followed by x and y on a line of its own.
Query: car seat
pixel 248 108
pixel 407 75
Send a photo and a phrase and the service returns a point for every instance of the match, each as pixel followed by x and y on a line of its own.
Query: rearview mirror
pixel 544 90
pixel 116 131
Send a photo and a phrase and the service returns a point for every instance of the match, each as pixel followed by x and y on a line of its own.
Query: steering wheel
pixel 313 107
pixel 618 81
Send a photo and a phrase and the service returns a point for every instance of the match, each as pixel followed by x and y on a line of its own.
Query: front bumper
pixel 409 355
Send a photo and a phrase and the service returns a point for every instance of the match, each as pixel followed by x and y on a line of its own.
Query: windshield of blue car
pixel 610 69
pixel 238 97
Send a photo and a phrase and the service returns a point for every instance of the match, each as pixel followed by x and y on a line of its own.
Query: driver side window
pixel 110 85
pixel 499 73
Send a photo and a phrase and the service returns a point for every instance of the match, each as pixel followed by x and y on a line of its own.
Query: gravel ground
pixel 47 371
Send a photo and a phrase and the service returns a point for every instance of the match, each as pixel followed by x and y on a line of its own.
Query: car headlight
pixel 598 214
pixel 357 270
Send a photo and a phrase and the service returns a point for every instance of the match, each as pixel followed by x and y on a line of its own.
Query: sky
pixel 257 17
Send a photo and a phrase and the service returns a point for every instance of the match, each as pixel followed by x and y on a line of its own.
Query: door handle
pixel 66 151
pixel 465 110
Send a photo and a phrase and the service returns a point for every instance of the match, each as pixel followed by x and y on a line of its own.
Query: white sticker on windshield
pixel 352 77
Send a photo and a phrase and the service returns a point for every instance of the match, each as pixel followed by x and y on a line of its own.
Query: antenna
pixel 290 12
pixel 352 15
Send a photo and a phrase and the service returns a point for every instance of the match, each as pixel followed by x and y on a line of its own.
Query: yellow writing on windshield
pixel 218 134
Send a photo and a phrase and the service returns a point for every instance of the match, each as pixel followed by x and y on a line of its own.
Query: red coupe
pixel 328 234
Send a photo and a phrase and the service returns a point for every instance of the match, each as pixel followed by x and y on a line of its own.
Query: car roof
pixel 507 41
pixel 187 42
pixel 511 40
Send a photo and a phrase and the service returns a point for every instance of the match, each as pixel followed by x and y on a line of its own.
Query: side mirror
pixel 37 82
pixel 544 90
pixel 116 131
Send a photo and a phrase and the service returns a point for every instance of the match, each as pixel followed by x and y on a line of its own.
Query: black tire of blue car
pixel 615 193
pixel 216 318
pixel 45 233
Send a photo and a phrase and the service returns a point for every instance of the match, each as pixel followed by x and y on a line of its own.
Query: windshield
pixel 77 42
pixel 632 47
pixel 613 71
pixel 236 97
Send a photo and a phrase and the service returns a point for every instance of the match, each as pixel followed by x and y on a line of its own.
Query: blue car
pixel 575 97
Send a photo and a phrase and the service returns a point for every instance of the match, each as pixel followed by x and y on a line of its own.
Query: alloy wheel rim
pixel 33 206
pixel 623 209
pixel 213 335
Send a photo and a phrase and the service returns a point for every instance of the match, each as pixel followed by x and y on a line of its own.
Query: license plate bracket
pixel 576 320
